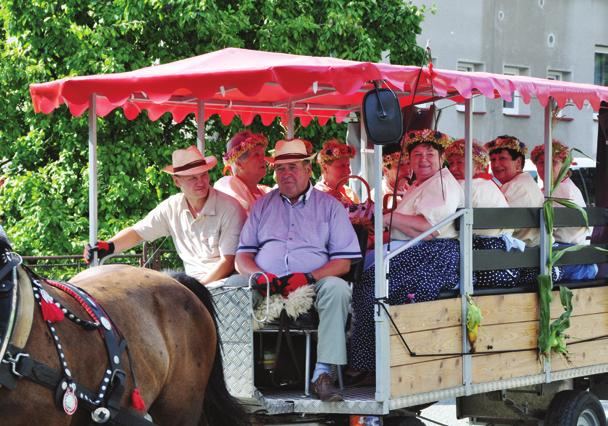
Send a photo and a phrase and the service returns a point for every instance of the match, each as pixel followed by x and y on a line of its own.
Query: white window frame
pixel 479 101
pixel 599 49
pixel 565 114
pixel 519 108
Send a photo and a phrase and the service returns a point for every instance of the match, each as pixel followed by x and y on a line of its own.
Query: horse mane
pixel 219 407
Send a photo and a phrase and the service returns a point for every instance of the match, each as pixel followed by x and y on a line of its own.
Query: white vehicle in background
pixel 504 382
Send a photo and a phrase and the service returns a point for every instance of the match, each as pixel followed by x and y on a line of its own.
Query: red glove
pixel 103 249
pixel 260 283
pixel 291 282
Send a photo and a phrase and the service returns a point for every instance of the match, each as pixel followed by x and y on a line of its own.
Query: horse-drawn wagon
pixel 422 351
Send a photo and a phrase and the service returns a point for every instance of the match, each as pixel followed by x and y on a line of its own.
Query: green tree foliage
pixel 43 158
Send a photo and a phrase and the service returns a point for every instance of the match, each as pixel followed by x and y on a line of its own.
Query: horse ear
pixel 5 244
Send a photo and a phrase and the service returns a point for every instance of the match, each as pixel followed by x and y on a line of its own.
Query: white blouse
pixel 567 189
pixel 486 194
pixel 522 191
pixel 429 200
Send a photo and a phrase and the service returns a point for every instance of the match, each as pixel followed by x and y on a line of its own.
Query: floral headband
pixel 256 139
pixel 334 149
pixel 507 142
pixel 560 151
pixel 390 160
pixel 480 154
pixel 434 137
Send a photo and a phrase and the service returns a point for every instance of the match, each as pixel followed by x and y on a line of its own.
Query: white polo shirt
pixel 199 241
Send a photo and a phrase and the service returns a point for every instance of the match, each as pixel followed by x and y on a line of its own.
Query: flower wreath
pixel 334 149
pixel 390 160
pixel 480 154
pixel 507 142
pixel 430 136
pixel 256 139
pixel 560 151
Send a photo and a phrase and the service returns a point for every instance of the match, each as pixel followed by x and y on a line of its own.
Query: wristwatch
pixel 311 279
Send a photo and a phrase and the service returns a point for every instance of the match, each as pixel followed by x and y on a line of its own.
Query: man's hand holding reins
pixel 103 249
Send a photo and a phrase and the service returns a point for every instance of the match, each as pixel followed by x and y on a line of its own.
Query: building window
pixel 564 114
pixel 601 66
pixel 559 75
pixel 516 106
pixel 479 101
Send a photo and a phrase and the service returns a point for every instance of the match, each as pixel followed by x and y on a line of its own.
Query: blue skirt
pixel 417 274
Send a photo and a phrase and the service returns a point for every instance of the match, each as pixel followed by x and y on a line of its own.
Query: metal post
pixel 363 153
pixel 200 126
pixel 290 121
pixel 381 289
pixel 466 242
pixel 545 240
pixel 93 174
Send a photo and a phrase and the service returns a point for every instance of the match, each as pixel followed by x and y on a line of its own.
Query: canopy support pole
pixel 466 242
pixel 545 240
pixel 200 126
pixel 290 121
pixel 93 174
pixel 381 289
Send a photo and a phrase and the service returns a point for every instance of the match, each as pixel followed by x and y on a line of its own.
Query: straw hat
pixel 289 152
pixel 189 161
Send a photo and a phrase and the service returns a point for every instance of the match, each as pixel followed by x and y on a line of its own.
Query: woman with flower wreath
pixel 566 190
pixel 485 193
pixel 244 158
pixel 391 155
pixel 507 157
pixel 334 159
pixel 419 273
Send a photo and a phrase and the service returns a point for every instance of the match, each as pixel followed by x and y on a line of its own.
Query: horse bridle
pixel 16 363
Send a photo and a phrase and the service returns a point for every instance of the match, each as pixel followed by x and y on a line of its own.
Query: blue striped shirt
pixel 299 237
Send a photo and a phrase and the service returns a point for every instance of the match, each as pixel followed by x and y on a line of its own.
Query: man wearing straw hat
pixel 297 236
pixel 204 223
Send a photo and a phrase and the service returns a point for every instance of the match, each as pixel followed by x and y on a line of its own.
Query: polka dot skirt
pixel 417 274
pixel 502 278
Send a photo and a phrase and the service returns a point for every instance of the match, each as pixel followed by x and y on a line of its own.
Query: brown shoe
pixel 325 390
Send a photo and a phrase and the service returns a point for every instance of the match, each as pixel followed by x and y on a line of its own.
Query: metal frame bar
pixel 466 242
pixel 93 175
pixel 545 240
pixel 200 126
pixel 381 291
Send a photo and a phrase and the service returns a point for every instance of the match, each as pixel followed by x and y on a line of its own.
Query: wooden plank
pixel 582 355
pixel 443 340
pixel 508 308
pixel 489 368
pixel 425 377
pixel 426 316
pixel 524 335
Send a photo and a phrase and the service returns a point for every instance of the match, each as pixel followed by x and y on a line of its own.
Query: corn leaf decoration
pixel 474 319
pixel 551 335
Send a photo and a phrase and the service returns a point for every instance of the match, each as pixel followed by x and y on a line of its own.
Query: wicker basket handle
pixel 367 187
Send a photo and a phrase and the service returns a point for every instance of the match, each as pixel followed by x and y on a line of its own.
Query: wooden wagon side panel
pixel 428 328
pixel 510 324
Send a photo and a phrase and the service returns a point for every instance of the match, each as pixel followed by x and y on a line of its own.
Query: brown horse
pixel 172 337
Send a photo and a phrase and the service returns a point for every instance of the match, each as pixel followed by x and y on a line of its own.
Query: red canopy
pixel 247 83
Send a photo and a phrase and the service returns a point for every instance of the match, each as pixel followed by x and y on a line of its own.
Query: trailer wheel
pixel 575 408
pixel 403 421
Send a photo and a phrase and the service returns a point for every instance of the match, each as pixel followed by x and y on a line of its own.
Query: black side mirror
pixel 382 116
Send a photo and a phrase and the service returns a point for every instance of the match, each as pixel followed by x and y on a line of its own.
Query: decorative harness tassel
pixel 137 402
pixel 50 311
